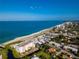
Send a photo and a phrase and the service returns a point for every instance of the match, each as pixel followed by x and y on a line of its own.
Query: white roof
pixel 74 49
pixel 20 49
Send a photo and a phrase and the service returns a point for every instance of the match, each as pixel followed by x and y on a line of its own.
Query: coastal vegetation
pixel 3 52
pixel 15 53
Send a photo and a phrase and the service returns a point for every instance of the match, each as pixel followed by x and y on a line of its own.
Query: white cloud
pixel 31 7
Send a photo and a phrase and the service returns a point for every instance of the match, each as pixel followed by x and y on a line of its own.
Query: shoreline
pixel 22 38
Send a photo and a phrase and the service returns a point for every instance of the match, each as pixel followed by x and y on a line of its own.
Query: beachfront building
pixel 25 47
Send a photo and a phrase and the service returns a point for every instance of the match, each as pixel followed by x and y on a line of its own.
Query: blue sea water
pixel 12 29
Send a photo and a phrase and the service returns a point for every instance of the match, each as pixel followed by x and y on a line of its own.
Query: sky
pixel 11 10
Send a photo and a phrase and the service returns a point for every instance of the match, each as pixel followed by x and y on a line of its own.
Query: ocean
pixel 12 29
